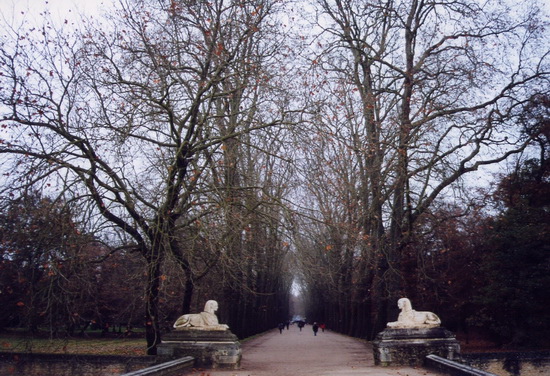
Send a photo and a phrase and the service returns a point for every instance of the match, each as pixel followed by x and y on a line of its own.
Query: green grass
pixel 96 346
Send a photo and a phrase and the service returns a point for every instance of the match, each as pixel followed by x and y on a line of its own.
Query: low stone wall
pixel 535 363
pixel 37 364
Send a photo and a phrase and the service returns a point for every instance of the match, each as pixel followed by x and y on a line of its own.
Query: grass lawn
pixel 97 346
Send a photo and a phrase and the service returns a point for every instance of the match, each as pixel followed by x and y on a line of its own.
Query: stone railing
pixel 452 368
pixel 174 367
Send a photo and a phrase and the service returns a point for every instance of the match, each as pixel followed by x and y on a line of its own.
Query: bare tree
pixel 126 115
pixel 421 93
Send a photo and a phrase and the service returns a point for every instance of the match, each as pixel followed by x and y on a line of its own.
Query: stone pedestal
pixel 215 349
pixel 409 347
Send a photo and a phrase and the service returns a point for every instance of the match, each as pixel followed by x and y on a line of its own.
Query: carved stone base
pixel 409 347
pixel 215 349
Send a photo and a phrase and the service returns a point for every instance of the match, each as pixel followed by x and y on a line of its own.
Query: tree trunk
pixel 188 295
pixel 152 290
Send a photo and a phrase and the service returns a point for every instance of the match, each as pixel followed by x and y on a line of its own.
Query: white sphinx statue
pixel 206 320
pixel 409 318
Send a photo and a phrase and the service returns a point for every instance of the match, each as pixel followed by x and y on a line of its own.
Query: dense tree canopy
pixel 516 260
pixel 56 276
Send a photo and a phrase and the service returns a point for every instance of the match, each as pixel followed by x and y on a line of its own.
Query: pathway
pixel 295 353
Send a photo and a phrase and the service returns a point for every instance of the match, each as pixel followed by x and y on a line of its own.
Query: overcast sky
pixel 60 9
pixel 71 9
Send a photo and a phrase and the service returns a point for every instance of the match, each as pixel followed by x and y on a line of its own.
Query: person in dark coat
pixel 281 327
pixel 315 328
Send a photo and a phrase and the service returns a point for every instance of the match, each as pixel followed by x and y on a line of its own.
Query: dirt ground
pixel 300 353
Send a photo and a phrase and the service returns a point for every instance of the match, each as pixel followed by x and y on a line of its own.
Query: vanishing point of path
pixel 295 353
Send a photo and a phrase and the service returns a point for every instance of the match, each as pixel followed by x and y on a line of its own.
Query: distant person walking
pixel 287 324
pixel 301 325
pixel 281 327
pixel 315 328
pixel 323 326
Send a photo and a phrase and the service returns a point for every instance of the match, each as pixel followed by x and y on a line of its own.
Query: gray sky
pixel 16 10
pixel 71 9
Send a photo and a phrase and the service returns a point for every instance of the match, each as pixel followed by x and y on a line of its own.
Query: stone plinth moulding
pixel 412 337
pixel 409 347
pixel 212 349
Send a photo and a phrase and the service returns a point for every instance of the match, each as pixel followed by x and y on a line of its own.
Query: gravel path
pixel 295 353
